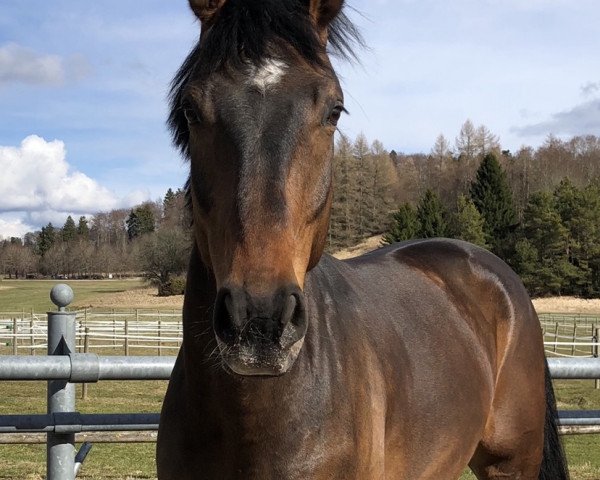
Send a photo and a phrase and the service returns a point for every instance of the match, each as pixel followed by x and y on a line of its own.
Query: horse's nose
pixel 279 318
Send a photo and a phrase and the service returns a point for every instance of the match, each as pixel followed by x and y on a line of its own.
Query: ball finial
pixel 61 295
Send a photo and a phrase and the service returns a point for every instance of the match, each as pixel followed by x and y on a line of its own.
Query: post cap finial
pixel 61 295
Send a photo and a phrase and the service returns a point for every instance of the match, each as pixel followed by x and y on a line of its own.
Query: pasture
pixel 136 461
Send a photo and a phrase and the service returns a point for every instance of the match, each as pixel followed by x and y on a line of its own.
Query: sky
pixel 83 89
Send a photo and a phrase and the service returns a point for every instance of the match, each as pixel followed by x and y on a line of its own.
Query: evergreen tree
pixel 83 230
pixel 543 229
pixel 404 226
pixel 69 230
pixel 493 199
pixel 169 199
pixel 46 239
pixel 430 215
pixel 468 223
pixel 133 225
pixel 525 262
pixel 140 221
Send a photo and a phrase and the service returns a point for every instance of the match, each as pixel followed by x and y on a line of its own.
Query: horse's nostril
pixel 289 309
pixel 224 317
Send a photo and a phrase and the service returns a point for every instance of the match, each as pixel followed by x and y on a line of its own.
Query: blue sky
pixel 83 87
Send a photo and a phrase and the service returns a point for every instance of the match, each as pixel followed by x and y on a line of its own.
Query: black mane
pixel 242 34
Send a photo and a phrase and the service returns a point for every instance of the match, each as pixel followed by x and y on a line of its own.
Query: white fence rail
pixel 129 331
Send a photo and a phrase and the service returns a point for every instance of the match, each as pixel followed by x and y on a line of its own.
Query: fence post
pixel 159 338
pixel 15 329
pixel 86 348
pixel 555 336
pixel 574 337
pixel 31 337
pixel 596 339
pixel 60 447
pixel 127 336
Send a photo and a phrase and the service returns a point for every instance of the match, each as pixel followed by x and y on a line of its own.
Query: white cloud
pixel 13 228
pixel 39 185
pixel 20 64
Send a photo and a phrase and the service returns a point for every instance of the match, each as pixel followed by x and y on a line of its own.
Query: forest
pixel 536 208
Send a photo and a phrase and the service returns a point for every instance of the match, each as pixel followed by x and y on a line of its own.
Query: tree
pixel 493 199
pixel 342 232
pixel 543 229
pixel 468 223
pixel 485 141
pixel 164 254
pixel 466 141
pixel 83 230
pixel 441 150
pixel 381 175
pixel 525 263
pixel 360 152
pixel 16 259
pixel 431 216
pixel 46 239
pixel 404 225
pixel 69 230
pixel 141 220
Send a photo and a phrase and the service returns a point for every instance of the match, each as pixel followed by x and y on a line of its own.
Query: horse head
pixel 254 108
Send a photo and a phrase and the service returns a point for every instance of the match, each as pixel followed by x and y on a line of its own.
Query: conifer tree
pixel 69 230
pixel 525 263
pixel 404 225
pixel 468 223
pixel 492 197
pixel 83 229
pixel 140 221
pixel 543 229
pixel 431 216
pixel 46 239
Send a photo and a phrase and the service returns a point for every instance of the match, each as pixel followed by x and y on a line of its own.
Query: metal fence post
pixel 60 449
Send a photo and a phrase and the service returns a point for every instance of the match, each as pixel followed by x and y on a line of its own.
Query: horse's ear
pixel 206 10
pixel 324 11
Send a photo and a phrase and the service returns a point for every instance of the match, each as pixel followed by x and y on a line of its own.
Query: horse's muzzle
pixel 260 335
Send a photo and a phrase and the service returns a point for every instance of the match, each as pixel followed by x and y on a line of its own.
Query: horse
pixel 410 362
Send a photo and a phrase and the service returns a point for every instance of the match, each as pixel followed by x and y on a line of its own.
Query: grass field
pixel 131 461
pixel 18 295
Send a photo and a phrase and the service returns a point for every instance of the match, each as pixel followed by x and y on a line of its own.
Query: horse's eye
pixel 335 114
pixel 191 115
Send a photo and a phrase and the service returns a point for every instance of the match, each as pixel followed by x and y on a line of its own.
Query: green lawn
pixel 35 294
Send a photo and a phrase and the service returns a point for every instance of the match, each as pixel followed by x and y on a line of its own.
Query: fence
pixel 131 331
pixel 64 367
pixel 128 331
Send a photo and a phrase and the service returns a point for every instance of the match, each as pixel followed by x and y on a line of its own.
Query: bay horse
pixel 410 362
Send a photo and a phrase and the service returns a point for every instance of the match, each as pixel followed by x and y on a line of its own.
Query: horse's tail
pixel 554 462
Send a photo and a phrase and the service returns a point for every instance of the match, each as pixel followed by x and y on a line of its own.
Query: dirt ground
pixel 567 305
pixel 364 247
pixel 137 298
